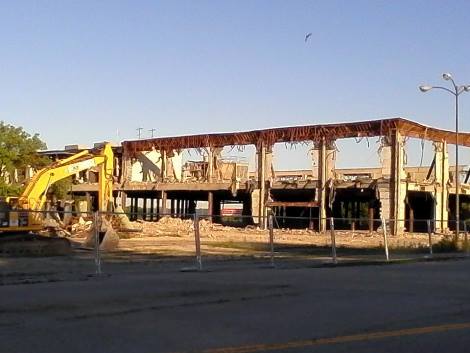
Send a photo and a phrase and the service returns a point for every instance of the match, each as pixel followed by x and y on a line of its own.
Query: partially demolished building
pixel 150 176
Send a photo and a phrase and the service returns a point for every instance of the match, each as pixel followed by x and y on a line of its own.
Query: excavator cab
pixel 4 213
pixel 11 215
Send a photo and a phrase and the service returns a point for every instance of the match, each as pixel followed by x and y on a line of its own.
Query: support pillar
pixel 261 151
pixel 132 209
pixel 164 198
pixel 393 190
pixel 371 219
pixel 324 164
pixel 158 209
pixel 210 164
pixel 164 156
pixel 216 210
pixel 88 201
pixel 192 207
pixel 178 208
pixel 441 193
pixel 126 172
pixel 144 209
pixel 210 205
pixel 411 220
pixel 172 207
pixel 123 200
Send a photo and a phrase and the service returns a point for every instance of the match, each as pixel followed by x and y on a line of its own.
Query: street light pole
pixel 457 173
pixel 457 91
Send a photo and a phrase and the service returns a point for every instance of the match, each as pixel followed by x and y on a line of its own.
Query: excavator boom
pixel 23 213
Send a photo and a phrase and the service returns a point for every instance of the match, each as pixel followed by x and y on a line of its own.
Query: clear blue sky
pixel 86 71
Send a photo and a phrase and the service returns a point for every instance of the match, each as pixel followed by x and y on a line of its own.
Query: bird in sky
pixel 307 36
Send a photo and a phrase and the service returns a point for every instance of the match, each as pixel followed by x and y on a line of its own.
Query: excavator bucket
pixel 108 238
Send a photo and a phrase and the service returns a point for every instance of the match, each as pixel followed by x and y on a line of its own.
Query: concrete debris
pixel 168 226
pixel 52 227
pixel 123 223
pixel 78 229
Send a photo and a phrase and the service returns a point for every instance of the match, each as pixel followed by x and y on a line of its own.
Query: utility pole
pixel 152 131
pixel 139 132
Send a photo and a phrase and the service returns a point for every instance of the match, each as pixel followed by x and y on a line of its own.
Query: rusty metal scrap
pixel 315 133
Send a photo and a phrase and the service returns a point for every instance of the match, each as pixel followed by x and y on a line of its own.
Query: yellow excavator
pixel 22 218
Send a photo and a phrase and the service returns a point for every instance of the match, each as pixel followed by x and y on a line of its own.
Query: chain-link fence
pixel 107 243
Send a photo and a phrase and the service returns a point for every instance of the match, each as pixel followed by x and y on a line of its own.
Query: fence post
pixel 197 239
pixel 384 228
pixel 429 236
pixel 333 240
pixel 97 226
pixel 271 238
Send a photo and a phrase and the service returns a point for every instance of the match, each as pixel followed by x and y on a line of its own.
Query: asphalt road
pixel 423 307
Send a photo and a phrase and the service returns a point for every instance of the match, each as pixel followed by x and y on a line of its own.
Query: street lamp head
pixel 466 88
pixel 447 76
pixel 425 88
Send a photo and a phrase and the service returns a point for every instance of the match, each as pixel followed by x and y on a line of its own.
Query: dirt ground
pixel 169 245
pixel 176 236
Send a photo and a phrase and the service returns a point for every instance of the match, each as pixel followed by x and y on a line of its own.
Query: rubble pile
pixel 170 226
pixel 81 228
pixel 167 226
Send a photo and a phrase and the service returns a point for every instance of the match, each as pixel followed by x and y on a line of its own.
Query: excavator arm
pixel 34 196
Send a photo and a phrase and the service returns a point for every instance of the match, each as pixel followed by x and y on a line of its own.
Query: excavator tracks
pixel 33 245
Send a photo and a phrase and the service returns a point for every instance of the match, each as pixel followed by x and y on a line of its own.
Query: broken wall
pixel 148 166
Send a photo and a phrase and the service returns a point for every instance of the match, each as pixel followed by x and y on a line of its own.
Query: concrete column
pixel 164 198
pixel 441 175
pixel 192 207
pixel 261 152
pixel 158 209
pixel 134 208
pixel 187 206
pixel 324 164
pixel 210 164
pixel 88 201
pixel 411 220
pixel 178 208
pixel 123 200
pixel 126 172
pixel 371 219
pixel 164 156
pixel 216 210
pixel 392 189
pixel 144 209
pixel 210 205
pixel 269 171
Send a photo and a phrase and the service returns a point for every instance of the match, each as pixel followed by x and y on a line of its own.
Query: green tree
pixel 60 189
pixel 18 150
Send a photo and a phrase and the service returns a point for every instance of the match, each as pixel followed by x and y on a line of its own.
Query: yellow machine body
pixel 25 212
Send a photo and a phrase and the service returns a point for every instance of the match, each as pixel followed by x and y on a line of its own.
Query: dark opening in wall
pixel 354 208
pixel 464 208
pixel 291 216
pixel 419 208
